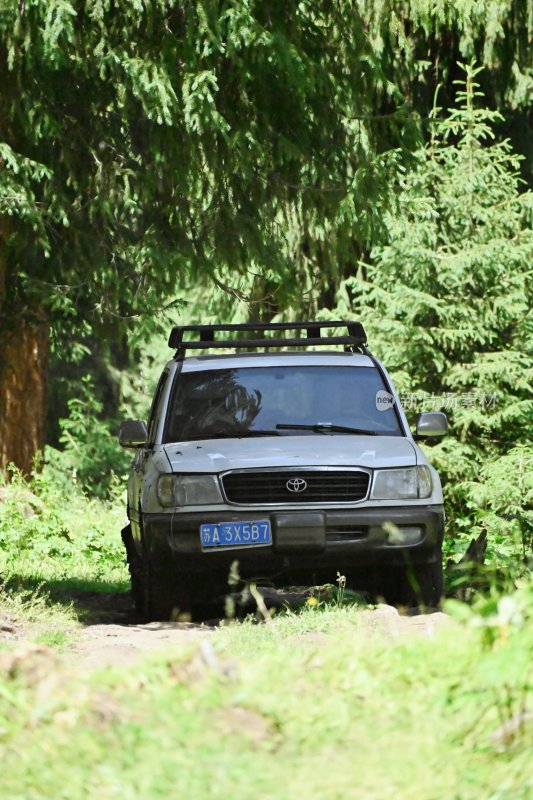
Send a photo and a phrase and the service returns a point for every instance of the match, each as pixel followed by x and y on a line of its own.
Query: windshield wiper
pixel 326 427
pixel 232 435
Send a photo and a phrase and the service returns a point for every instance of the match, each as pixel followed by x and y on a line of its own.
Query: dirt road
pixel 116 645
pixel 111 634
pixel 122 640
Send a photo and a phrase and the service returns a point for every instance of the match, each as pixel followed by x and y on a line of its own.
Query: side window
pixel 154 411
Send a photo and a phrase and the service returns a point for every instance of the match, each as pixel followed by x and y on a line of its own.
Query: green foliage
pixel 505 623
pixel 500 501
pixel 252 144
pixel 91 458
pixel 420 43
pixel 418 46
pixel 447 306
pixel 51 533
pixel 171 139
pixel 166 140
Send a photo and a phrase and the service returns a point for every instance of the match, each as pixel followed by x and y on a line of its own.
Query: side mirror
pixel 132 433
pixel 431 423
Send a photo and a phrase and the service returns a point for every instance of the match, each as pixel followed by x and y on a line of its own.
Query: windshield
pixel 252 401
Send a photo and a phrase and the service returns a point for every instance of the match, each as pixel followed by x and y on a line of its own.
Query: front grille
pixel 323 486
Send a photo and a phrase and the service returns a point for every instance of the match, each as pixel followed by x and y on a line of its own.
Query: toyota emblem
pixel 296 485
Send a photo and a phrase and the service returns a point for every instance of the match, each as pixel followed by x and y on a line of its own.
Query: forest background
pixel 204 161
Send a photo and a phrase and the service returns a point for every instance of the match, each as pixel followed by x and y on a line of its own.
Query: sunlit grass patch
pixel 53 638
pixel 54 547
pixel 74 539
pixel 259 710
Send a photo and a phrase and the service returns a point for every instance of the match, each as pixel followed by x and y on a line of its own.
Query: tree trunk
pixel 23 371
pixel 24 347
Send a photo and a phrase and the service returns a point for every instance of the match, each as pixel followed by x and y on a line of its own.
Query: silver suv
pixel 296 463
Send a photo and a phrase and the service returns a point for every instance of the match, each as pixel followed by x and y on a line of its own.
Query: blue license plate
pixel 236 534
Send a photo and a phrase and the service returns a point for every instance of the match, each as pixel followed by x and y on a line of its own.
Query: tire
pixel 415 585
pixel 135 567
pixel 168 596
pixel 157 594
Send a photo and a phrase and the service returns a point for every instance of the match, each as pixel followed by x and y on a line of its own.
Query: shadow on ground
pixel 116 608
pixel 93 602
pixel 105 603
pixel 101 602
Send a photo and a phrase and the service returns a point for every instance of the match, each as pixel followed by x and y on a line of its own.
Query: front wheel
pixel 136 570
pixel 415 585
pixel 168 596
pixel 156 595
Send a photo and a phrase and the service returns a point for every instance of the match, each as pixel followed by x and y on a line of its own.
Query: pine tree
pixel 143 142
pixel 447 299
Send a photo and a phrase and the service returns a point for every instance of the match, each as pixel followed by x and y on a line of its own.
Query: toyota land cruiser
pixel 297 463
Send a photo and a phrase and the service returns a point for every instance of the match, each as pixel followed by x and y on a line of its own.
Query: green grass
pixel 312 704
pixel 48 537
pixel 53 638
pixel 55 549
pixel 276 712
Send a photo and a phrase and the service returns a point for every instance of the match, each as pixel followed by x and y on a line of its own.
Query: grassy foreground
pixel 280 711
pixel 313 705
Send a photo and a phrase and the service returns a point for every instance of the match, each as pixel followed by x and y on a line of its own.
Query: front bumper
pixel 303 540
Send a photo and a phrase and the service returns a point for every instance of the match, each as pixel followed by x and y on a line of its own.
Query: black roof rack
pixel 207 340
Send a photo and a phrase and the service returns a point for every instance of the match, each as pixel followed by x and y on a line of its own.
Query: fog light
pixel 405 534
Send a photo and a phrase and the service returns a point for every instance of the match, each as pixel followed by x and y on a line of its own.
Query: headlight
pixel 402 484
pixel 188 490
pixel 425 484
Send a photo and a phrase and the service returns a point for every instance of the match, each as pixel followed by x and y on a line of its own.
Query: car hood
pixel 219 455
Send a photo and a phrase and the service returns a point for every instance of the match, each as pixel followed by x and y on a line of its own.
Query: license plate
pixel 236 534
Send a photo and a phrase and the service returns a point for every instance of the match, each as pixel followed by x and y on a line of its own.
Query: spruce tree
pixel 144 142
pixel 447 302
